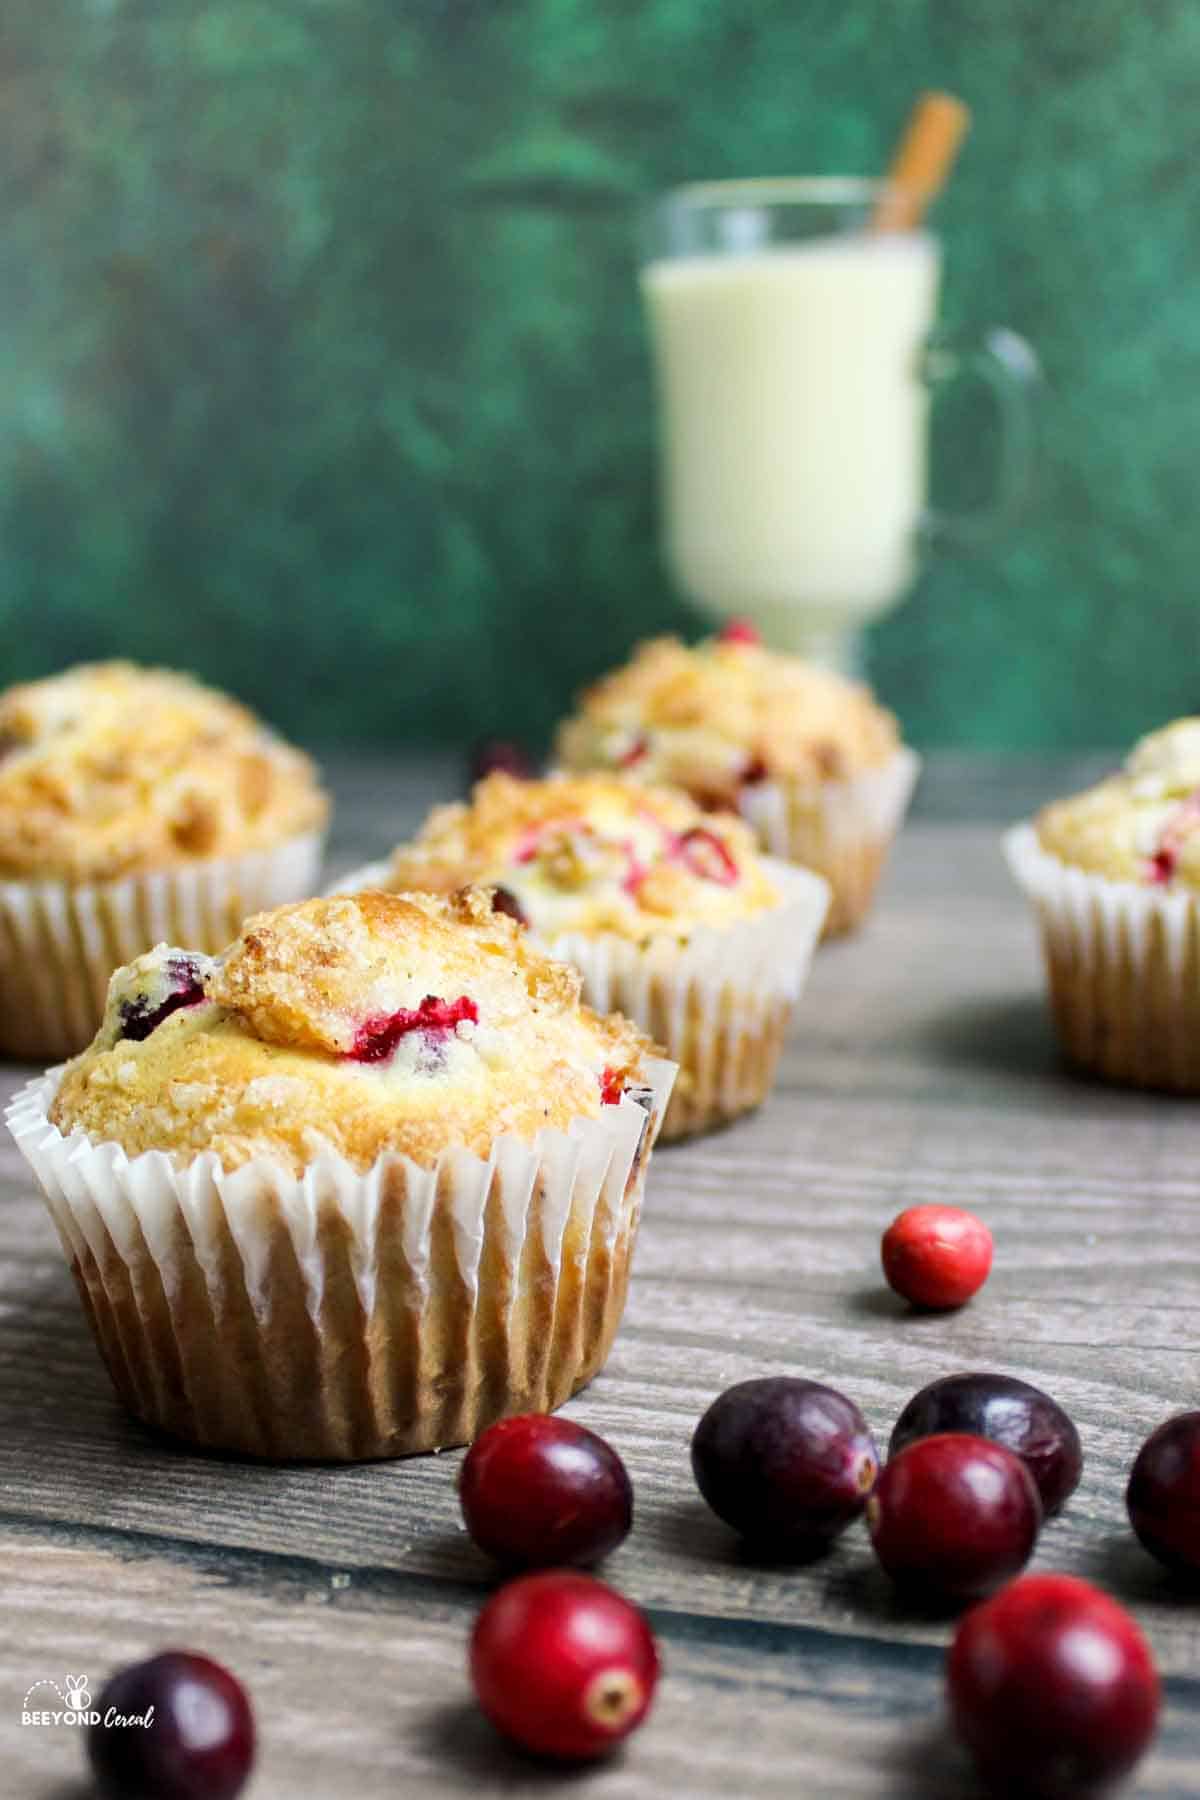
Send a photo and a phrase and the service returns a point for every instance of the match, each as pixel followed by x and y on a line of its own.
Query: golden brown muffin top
pixel 1142 824
pixel 110 770
pixel 715 715
pixel 366 1023
pixel 591 853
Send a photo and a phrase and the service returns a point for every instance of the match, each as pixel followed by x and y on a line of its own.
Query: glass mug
pixel 794 353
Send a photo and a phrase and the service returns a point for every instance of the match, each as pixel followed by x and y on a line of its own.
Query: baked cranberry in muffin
pixel 591 853
pixel 367 1023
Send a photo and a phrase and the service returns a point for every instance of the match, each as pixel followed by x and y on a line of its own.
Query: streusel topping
pixel 365 1022
pixel 109 770
pixel 591 853
pixel 723 713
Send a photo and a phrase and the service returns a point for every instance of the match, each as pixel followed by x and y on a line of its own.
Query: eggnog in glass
pixel 789 342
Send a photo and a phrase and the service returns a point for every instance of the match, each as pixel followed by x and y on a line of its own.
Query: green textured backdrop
pixel 323 369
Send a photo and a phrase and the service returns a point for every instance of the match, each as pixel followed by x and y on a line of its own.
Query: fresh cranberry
pixel 185 987
pixel 1053 1688
pixel 788 1463
pixel 954 1516
pixel 499 756
pixel 505 901
pixel 1011 1413
pixel 739 631
pixel 1163 1495
pixel 198 1743
pixel 936 1256
pixel 539 1491
pixel 702 853
pixel 562 1664
pixel 376 1040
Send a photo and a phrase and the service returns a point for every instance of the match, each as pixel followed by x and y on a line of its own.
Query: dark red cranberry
pixel 754 770
pixel 177 1727
pixel 499 756
pixel 184 987
pixel 739 631
pixel 1163 1495
pixel 505 901
pixel 936 1256
pixel 1053 1689
pixel 953 1517
pixel 788 1463
pixel 563 1665
pixel 376 1040
pixel 541 1491
pixel 1009 1412
pixel 702 853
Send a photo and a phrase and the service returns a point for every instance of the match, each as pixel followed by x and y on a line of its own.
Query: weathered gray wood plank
pixel 921 1068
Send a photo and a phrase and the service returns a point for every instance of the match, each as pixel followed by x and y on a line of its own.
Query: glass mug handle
pixel 1007 368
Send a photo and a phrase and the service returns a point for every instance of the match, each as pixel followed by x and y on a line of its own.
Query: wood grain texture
pixel 921 1068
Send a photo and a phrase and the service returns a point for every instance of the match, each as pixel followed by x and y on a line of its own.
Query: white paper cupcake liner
pixel 842 829
pixel 719 1004
pixel 59 942
pixel 1123 965
pixel 342 1315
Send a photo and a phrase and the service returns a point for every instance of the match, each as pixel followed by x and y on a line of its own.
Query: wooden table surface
pixel 921 1069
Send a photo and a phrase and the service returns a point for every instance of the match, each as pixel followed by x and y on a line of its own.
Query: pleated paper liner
pixel 59 942
pixel 1123 965
pixel 342 1315
pixel 720 1004
pixel 842 829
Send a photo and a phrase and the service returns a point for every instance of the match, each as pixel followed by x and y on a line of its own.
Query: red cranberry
pixel 1163 1495
pixel 612 1086
pixel 635 754
pixel 198 1744
pixel 505 901
pixel 540 1491
pixel 702 853
pixel 788 1463
pixel 1052 1687
pixel 739 631
pixel 499 756
pixel 184 986
pixel 1011 1413
pixel 376 1039
pixel 953 1516
pixel 562 1664
pixel 936 1256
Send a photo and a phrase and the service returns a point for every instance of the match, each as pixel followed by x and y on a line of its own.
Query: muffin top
pixel 111 770
pixel 364 1022
pixel 723 713
pixel 1142 824
pixel 591 853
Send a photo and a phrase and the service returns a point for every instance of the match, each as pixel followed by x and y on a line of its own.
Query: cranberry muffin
pixel 134 804
pixel 809 759
pixel 358 1186
pixel 668 913
pixel 1114 875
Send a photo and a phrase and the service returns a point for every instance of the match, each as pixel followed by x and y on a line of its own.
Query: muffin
pixel 134 805
pixel 808 758
pixel 355 1188
pixel 1114 874
pixel 668 913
